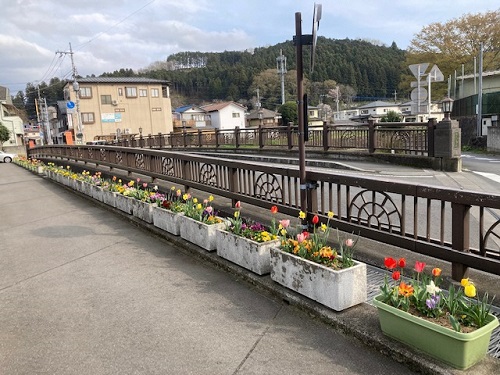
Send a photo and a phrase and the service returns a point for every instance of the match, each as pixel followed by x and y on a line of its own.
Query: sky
pixel 107 35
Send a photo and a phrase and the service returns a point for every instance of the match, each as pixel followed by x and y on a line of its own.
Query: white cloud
pixel 109 35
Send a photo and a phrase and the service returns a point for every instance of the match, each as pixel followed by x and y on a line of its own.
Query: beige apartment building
pixel 110 107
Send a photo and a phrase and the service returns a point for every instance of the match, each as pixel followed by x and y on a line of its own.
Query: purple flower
pixel 432 302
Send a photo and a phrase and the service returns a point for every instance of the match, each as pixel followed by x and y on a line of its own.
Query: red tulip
pixel 402 262
pixel 396 275
pixel 315 219
pixel 274 209
pixel 390 263
pixel 237 204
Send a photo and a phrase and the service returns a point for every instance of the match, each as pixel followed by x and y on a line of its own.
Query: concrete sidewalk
pixel 85 289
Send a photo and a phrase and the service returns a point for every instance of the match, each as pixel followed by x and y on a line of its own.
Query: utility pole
pixel 281 66
pixel 76 89
pixel 480 93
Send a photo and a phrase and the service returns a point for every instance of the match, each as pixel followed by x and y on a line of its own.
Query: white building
pixel 10 119
pixel 226 115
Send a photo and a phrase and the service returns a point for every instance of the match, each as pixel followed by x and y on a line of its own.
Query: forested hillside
pixel 359 69
pixel 371 72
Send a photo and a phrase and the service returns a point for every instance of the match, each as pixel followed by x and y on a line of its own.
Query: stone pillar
pixel 448 145
pixel 493 139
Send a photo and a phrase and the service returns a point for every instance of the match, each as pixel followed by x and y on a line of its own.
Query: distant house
pixel 375 110
pixel 190 117
pixel 226 115
pixel 313 116
pixel 263 117
pixel 9 117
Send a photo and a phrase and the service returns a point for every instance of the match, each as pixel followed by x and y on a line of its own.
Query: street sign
pixel 415 94
pixel 415 70
pixel 436 74
pixel 415 83
pixel 70 104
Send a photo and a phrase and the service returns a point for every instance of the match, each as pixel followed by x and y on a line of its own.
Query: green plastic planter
pixel 459 350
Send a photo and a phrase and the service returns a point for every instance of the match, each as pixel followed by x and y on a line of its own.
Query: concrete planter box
pixel 109 198
pixel 96 192
pixel 86 188
pixel 198 233
pixel 142 210
pixel 124 203
pixel 457 349
pixel 251 255
pixel 167 220
pixel 337 290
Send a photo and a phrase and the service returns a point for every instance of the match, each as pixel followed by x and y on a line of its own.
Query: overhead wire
pixel 52 67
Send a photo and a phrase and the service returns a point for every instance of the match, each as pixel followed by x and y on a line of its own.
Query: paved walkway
pixel 85 290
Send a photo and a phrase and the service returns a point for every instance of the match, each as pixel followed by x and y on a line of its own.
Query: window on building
pixel 120 92
pixel 155 93
pixel 236 115
pixel 88 118
pixel 131 92
pixel 85 92
pixel 143 92
pixel 105 99
pixel 364 111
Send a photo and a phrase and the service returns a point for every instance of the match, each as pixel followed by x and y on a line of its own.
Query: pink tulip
pixel 237 204
pixel 285 223
pixel 419 266
pixel 349 242
pixel 209 209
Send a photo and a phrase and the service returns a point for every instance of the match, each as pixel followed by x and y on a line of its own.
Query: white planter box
pixel 109 198
pixel 200 233
pixel 167 220
pixel 83 187
pixel 249 254
pixel 337 290
pixel 96 192
pixel 124 203
pixel 142 210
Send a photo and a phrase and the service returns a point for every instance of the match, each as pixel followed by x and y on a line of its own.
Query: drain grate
pixel 375 278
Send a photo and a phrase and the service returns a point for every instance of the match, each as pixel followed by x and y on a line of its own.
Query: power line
pixel 79 47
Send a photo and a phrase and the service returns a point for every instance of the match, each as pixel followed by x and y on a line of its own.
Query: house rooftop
pixel 219 106
pixel 111 80
pixel 379 103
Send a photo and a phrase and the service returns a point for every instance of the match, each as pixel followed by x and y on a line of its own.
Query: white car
pixel 6 157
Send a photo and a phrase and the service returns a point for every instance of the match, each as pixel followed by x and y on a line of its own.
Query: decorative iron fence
pixel 453 225
pixel 403 138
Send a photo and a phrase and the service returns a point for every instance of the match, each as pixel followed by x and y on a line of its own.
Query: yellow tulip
pixel 330 214
pixel 302 215
pixel 470 290
pixel 464 282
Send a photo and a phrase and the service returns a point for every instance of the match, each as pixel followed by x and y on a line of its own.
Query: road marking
pixel 491 176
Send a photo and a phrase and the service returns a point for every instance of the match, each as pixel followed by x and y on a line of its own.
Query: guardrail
pixel 404 138
pixel 453 225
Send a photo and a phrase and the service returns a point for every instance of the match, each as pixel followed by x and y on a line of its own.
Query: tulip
pixel 396 275
pixel 390 263
pixel 237 204
pixel 470 290
pixel 402 262
pixel 419 266
pixel 349 242
pixel 436 272
pixel 284 223
pixel 315 219
pixel 274 209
